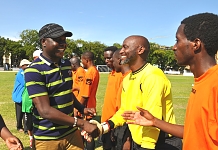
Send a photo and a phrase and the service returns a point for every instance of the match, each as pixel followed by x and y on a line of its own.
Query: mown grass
pixel 181 87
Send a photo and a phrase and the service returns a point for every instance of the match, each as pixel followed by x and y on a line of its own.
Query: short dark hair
pixel 117 53
pixel 111 48
pixel 88 55
pixel 205 27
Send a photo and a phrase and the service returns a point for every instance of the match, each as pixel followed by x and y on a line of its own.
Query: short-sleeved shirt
pixel 90 86
pixel 78 77
pixel 201 121
pixel 110 98
pixel 45 78
pixel 150 89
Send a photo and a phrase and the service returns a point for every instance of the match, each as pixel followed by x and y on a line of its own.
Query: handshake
pixel 101 127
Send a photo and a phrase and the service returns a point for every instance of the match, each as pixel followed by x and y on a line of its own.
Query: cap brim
pixel 59 34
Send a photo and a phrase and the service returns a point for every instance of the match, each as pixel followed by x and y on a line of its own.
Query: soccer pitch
pixel 181 88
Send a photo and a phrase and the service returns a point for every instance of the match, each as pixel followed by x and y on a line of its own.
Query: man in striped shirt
pixel 49 84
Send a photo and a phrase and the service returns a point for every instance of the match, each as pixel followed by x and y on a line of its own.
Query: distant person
pixel 49 84
pixel 196 46
pixel 36 54
pixel 12 142
pixel 148 87
pixel 18 90
pixel 74 55
pixel 78 75
pixel 89 88
pixel 122 134
pixel 27 105
pixel 110 98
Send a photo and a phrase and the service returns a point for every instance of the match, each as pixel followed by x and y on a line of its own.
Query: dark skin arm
pixel 42 103
pixel 84 100
pixel 145 118
pixel 81 109
pixel 12 142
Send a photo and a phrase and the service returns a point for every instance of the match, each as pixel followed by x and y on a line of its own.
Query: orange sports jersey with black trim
pixel 78 77
pixel 201 122
pixel 90 86
pixel 110 98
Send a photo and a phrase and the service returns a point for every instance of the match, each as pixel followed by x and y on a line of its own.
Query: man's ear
pixel 141 49
pixel 197 45
pixel 43 42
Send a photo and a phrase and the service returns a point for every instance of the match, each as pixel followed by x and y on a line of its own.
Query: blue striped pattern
pixel 43 77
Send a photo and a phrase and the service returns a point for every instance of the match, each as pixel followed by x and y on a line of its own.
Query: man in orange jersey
pixel 122 133
pixel 89 87
pixel 78 75
pixel 110 98
pixel 196 45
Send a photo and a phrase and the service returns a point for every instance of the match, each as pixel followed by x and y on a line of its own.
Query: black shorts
pixel 171 143
pixel 107 143
pixel 121 134
pixel 29 122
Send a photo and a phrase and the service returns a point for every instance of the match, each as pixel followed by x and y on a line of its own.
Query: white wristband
pixel 106 127
pixel 75 122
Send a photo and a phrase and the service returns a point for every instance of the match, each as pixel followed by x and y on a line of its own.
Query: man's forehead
pixel 180 28
pixel 109 52
pixel 129 40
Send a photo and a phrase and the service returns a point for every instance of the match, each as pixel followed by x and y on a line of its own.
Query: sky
pixel 106 21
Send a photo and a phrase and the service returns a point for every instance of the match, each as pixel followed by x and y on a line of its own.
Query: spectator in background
pixel 110 98
pixel 89 87
pixel 12 142
pixel 36 54
pixel 78 75
pixel 27 105
pixel 18 90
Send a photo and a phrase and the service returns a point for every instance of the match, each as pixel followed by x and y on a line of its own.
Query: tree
pixel 16 50
pixel 119 46
pixel 2 48
pixel 30 42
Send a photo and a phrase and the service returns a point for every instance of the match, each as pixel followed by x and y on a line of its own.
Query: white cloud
pixel 13 38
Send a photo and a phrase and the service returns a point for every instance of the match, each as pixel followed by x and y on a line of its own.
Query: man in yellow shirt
pixel 149 88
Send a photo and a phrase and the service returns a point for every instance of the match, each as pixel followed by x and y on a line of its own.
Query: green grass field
pixel 181 87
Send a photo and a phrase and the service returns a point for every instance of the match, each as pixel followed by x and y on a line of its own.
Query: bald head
pixel 75 61
pixel 88 55
pixel 139 40
pixel 135 50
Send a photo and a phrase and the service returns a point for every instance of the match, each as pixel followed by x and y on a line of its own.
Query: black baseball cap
pixel 53 30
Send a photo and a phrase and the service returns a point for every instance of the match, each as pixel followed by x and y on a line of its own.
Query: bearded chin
pixel 126 61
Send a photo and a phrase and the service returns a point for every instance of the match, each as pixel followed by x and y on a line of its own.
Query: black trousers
pixel 20 117
pixel 171 143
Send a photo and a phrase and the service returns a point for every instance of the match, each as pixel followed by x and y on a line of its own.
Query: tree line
pixel 29 42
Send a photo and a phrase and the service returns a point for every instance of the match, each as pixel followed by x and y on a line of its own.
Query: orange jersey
pixel 110 98
pixel 78 77
pixel 90 86
pixel 118 101
pixel 201 123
